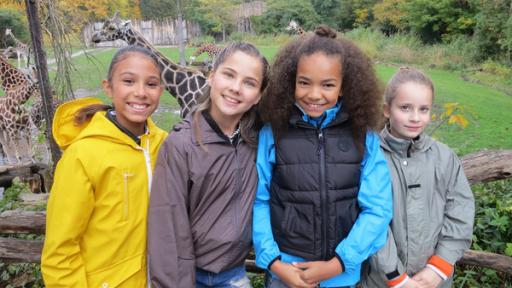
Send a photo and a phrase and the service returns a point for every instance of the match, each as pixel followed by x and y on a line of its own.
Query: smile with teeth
pixel 137 106
pixel 314 106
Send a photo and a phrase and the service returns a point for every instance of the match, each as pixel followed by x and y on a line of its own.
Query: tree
pixel 354 13
pixel 433 20
pixel 214 16
pixel 493 31
pixel 279 13
pixel 389 16
pixel 154 9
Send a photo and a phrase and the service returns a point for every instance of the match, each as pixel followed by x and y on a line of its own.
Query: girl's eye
pixel 153 84
pixel 250 84
pixel 303 83
pixel 329 85
pixel 228 74
pixel 128 81
pixel 405 108
pixel 425 109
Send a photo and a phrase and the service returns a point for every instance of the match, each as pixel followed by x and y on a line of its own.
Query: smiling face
pixel 318 83
pixel 409 111
pixel 235 87
pixel 135 90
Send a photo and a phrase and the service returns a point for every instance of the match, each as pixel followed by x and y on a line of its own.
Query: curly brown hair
pixel 361 92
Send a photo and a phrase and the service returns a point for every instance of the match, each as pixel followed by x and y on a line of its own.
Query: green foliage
pixel 12 19
pixel 214 16
pixel 492 233
pixel 279 13
pixel 155 9
pixel 432 20
pixel 20 275
pixel 11 195
pixel 493 29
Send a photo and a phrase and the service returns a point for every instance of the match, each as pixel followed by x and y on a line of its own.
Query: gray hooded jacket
pixel 433 209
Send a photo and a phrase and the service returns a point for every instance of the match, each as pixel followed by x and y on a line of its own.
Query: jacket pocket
pixel 127 177
pixel 299 226
pixel 347 212
pixel 115 275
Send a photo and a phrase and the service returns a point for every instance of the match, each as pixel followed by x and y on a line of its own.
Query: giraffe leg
pixel 8 147
pixel 24 146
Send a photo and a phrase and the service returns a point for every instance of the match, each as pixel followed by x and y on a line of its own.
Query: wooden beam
pixel 22 222
pixel 19 250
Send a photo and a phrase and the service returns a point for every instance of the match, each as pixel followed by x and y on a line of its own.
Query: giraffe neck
pixel 19 44
pixel 133 37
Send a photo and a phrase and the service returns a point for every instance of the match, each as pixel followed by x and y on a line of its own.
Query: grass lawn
pixel 488 110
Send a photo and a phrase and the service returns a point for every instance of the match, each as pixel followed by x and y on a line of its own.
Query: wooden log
pixel 500 263
pixel 489 165
pixel 22 222
pixel 19 250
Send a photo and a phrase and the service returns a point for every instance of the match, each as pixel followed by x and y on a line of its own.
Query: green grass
pixel 486 108
pixel 488 112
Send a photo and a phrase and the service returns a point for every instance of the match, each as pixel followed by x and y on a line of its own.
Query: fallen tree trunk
pixel 497 262
pixel 486 166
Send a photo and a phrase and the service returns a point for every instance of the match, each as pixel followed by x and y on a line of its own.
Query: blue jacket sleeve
pixel 369 232
pixel 265 247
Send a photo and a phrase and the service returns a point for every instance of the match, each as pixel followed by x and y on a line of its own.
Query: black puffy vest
pixel 315 182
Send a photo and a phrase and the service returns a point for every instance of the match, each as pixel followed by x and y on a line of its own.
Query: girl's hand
pixel 290 275
pixel 411 283
pixel 316 271
pixel 427 278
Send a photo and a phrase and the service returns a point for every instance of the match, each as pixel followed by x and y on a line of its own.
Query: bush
pixel 492 233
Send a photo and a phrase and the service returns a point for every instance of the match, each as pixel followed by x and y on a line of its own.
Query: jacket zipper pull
pixel 320 141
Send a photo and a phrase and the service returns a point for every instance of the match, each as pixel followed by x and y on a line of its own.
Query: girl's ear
pixel 107 87
pixel 386 110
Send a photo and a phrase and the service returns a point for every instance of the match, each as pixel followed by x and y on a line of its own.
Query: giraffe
pixel 183 83
pixel 22 49
pixel 14 117
pixel 211 49
pixel 294 26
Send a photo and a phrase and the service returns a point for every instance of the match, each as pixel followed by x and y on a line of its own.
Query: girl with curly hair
pixel 323 202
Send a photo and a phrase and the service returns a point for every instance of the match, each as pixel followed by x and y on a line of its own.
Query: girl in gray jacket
pixel 200 214
pixel 433 206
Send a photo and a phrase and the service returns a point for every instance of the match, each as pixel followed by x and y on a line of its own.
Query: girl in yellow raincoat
pixel 97 211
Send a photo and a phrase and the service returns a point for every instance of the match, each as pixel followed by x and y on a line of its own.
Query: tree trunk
pixel 485 166
pixel 42 71
pixel 500 263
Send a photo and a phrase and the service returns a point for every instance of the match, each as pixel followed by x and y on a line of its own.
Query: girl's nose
pixel 415 116
pixel 140 89
pixel 315 93
pixel 235 85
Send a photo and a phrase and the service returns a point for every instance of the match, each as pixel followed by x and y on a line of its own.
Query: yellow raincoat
pixel 97 211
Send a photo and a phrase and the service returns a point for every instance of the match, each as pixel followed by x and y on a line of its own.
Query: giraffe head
pixel 292 26
pixel 113 29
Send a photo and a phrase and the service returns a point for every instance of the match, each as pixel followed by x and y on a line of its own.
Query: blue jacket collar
pixel 322 121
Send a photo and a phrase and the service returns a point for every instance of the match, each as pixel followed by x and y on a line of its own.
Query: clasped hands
pixel 306 274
